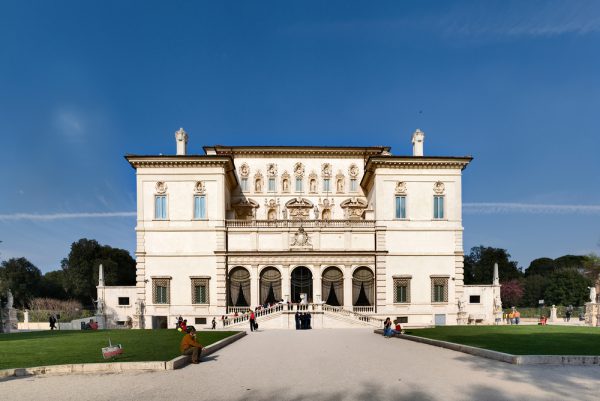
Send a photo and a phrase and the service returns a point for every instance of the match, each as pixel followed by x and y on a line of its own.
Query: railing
pixel 229 321
pixel 299 223
pixel 238 309
pixel 353 315
pixel 363 309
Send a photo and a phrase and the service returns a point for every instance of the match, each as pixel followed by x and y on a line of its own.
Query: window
pixel 353 184
pixel 402 319
pixel 401 290
pixel 298 184
pixel 123 300
pixel 200 291
pixel 400 207
pixel 474 299
pixel 199 207
pixel 160 290
pixel 439 289
pixel 160 207
pixel 200 320
pixel 244 184
pixel 438 207
pixel 271 184
pixel 325 184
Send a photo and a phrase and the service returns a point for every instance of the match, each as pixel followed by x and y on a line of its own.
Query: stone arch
pixel 363 286
pixel 301 281
pixel 238 288
pixel 332 286
pixel 270 285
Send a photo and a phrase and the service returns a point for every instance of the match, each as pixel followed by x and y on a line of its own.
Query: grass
pixel 42 348
pixel 520 340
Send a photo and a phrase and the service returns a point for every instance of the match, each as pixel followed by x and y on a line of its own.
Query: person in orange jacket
pixel 189 345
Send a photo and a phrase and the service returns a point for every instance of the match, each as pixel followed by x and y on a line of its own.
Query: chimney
pixel 417 140
pixel 181 137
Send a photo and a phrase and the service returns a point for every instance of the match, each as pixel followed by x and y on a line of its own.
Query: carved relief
pixel 353 170
pixel 244 170
pixel 340 180
pixel 299 170
pixel 285 182
pixel 271 169
pixel 326 208
pixel 326 170
pixel 354 208
pixel 400 188
pixel 301 239
pixel 439 188
pixel 298 208
pixel 245 209
pixel 258 182
pixel 161 187
pixel 199 188
pixel 312 182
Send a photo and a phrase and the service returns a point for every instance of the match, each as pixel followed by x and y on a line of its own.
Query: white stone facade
pixel 275 222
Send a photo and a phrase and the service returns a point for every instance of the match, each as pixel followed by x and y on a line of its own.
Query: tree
pixel 53 285
pixel 81 268
pixel 23 279
pixel 533 289
pixel 479 265
pixel 511 293
pixel 567 287
pixel 541 267
pixel 570 262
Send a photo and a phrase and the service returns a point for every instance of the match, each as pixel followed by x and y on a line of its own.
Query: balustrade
pixel 298 223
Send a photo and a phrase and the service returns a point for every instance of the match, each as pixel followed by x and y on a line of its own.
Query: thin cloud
pixel 63 216
pixel 547 18
pixel 528 208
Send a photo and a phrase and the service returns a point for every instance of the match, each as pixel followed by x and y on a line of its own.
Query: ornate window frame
pixel 286 177
pixel 197 281
pixel 439 296
pixel 160 192
pixel 402 281
pixel 161 281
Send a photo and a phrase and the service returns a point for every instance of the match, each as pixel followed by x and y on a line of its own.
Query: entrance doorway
pixel 302 283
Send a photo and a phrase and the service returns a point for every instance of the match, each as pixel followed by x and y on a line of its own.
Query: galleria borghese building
pixel 349 234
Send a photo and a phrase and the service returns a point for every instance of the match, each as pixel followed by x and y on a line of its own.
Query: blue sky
pixel 514 84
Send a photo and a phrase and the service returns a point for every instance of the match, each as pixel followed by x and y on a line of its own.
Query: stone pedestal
pixel 8 320
pixel 462 318
pixel 553 317
pixel 592 309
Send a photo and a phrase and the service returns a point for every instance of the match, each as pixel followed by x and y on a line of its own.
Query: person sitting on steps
pixel 189 345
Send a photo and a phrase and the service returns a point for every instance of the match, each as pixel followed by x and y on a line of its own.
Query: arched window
pixel 239 287
pixel 363 287
pixel 333 286
pixel 270 285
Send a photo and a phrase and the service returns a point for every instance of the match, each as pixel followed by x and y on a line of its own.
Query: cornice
pixel 290 151
pixel 412 162
pixel 178 161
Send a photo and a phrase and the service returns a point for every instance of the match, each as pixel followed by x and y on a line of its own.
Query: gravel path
pixel 323 365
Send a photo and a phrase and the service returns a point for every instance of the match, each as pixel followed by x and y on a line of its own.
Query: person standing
pixel 52 321
pixel 189 345
pixel 214 323
pixel 252 320
pixel 517 317
pixel 569 312
pixel 297 317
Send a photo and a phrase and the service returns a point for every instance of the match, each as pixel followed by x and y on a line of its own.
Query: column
pixel 254 286
pixel 285 283
pixel 348 287
pixel 316 282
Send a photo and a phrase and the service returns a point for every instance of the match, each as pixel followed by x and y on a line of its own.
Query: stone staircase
pixel 323 316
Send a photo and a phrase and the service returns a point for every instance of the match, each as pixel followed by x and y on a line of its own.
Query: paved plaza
pixel 329 365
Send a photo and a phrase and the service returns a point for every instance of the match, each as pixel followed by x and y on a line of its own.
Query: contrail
pixel 63 216
pixel 528 208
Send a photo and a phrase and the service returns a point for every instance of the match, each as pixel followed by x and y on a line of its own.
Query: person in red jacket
pixel 252 321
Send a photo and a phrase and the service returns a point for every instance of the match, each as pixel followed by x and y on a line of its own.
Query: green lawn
pixel 41 348
pixel 520 340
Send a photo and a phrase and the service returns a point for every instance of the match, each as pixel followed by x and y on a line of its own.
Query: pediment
pixel 354 203
pixel 299 203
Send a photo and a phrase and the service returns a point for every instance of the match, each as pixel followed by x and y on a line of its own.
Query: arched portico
pixel 363 289
pixel 301 281
pixel 238 287
pixel 270 285
pixel 332 286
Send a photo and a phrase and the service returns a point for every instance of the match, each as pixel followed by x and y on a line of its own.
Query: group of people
pixel 512 317
pixel 91 325
pixel 387 328
pixel 303 321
